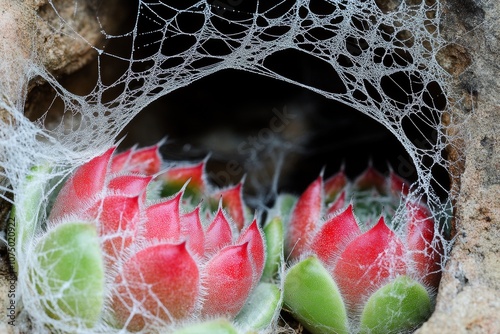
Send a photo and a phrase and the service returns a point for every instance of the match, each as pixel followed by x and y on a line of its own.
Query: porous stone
pixel 469 295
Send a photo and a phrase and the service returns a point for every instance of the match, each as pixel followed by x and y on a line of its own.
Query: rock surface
pixel 469 295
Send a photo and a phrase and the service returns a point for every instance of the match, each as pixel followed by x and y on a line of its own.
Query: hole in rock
pixel 252 125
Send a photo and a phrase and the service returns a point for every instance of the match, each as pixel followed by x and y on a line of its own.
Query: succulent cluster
pixel 135 247
pixel 116 247
pixel 352 272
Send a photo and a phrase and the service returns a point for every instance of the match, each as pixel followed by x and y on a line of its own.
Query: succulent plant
pixel 115 249
pixel 137 248
pixel 351 271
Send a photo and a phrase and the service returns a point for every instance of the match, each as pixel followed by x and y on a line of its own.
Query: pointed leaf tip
pixel 230 270
pixel 334 185
pixel 163 220
pixel 232 201
pixel 257 252
pixel 367 261
pixel 304 219
pixel 130 185
pixel 338 204
pixel 192 177
pixel 371 178
pixel 83 185
pixel 219 233
pixel 146 160
pixel 426 249
pixel 334 235
pixel 192 231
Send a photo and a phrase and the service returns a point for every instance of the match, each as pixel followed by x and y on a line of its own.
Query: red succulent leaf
pixel 253 236
pixel 367 262
pixel 145 161
pixel 334 235
pixel 192 231
pixel 304 217
pixel 87 182
pixel 182 174
pixel 337 205
pixel 228 281
pixel 399 186
pixel 334 185
pixel 161 281
pixel 219 233
pixel 371 178
pixel 130 185
pixel 118 217
pixel 163 220
pixel 426 253
pixel 232 201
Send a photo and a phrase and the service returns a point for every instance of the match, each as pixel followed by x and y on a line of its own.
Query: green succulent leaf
pixel 369 206
pixel 274 234
pixel 25 216
pixel 285 204
pixel 191 192
pixel 219 326
pixel 69 273
pixel 400 305
pixel 261 306
pixel 314 298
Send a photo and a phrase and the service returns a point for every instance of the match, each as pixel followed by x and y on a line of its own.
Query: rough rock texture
pixel 15 47
pixel 62 42
pixel 56 45
pixel 469 294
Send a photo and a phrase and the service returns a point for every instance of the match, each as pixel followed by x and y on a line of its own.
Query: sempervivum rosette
pixel 115 252
pixel 358 262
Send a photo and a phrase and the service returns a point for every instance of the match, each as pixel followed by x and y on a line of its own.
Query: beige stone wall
pixel 469 294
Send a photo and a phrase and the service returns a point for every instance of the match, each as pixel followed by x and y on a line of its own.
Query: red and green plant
pixel 133 246
pixel 116 248
pixel 370 264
